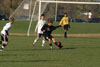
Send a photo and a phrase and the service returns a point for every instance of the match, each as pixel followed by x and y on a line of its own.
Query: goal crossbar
pixel 70 2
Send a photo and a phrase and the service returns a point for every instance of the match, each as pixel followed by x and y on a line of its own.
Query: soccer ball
pixel 59 45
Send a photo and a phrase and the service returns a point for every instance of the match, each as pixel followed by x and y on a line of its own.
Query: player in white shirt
pixel 90 15
pixel 38 28
pixel 4 33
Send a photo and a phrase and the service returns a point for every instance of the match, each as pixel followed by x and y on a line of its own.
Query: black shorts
pixel 40 35
pixel 66 27
pixel 4 38
pixel 48 37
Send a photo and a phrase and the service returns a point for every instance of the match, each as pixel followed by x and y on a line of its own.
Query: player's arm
pixel 61 21
pixel 55 27
pixel 6 32
pixel 43 28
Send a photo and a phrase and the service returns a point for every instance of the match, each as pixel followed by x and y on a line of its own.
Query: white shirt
pixel 6 28
pixel 39 26
pixel 89 15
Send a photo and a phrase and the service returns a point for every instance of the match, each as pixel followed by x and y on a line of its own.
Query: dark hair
pixel 42 15
pixel 89 10
pixel 65 13
pixel 11 18
pixel 50 21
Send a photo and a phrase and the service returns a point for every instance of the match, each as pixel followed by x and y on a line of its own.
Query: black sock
pixel 50 44
pixel 55 43
pixel 0 42
pixel 4 45
pixel 65 34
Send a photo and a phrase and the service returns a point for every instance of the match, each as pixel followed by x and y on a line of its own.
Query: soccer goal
pixel 32 9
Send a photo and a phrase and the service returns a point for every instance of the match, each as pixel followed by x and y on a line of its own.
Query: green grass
pixel 76 28
pixel 77 52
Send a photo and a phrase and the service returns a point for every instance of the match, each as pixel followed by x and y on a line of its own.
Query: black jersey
pixel 48 29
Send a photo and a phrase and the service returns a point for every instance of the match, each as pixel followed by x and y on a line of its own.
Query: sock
pixel 50 44
pixel 65 34
pixel 43 42
pixel 35 40
pixel 0 42
pixel 4 45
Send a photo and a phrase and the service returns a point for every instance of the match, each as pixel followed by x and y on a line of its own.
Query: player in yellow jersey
pixel 65 22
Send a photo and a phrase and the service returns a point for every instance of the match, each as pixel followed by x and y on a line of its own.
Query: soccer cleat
pixel 1 49
pixel 42 45
pixel 51 47
pixel 33 44
pixel 65 36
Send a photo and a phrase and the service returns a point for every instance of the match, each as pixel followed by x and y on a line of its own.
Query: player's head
pixel 11 20
pixel 65 14
pixel 42 17
pixel 50 22
pixel 89 10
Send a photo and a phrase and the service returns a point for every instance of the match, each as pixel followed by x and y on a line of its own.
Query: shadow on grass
pixel 48 49
pixel 68 48
pixel 16 55
pixel 39 49
pixel 28 61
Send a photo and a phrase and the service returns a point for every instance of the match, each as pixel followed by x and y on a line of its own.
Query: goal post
pixel 70 2
pixel 31 19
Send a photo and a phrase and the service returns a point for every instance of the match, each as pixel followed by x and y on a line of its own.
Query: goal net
pixel 26 8
pixel 53 9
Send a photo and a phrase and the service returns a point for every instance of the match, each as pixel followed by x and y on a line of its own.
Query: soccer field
pixel 76 28
pixel 77 52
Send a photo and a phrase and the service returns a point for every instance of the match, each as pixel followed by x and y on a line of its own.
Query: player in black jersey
pixel 47 33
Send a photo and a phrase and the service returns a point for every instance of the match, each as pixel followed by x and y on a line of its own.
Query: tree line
pixel 7 7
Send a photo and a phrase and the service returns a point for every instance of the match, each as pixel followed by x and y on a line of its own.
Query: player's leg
pixel 0 42
pixel 54 41
pixel 4 42
pixel 36 39
pixel 58 44
pixel 43 42
pixel 65 30
pixel 65 33
pixel 49 40
pixel 50 43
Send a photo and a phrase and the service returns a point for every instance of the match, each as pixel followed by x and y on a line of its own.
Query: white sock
pixel 43 42
pixel 3 47
pixel 35 41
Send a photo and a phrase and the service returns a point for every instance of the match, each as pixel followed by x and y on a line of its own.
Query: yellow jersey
pixel 64 21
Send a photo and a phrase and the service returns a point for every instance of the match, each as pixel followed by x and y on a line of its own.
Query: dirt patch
pixel 69 35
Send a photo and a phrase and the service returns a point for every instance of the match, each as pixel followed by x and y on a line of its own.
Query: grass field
pixel 77 52
pixel 76 28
